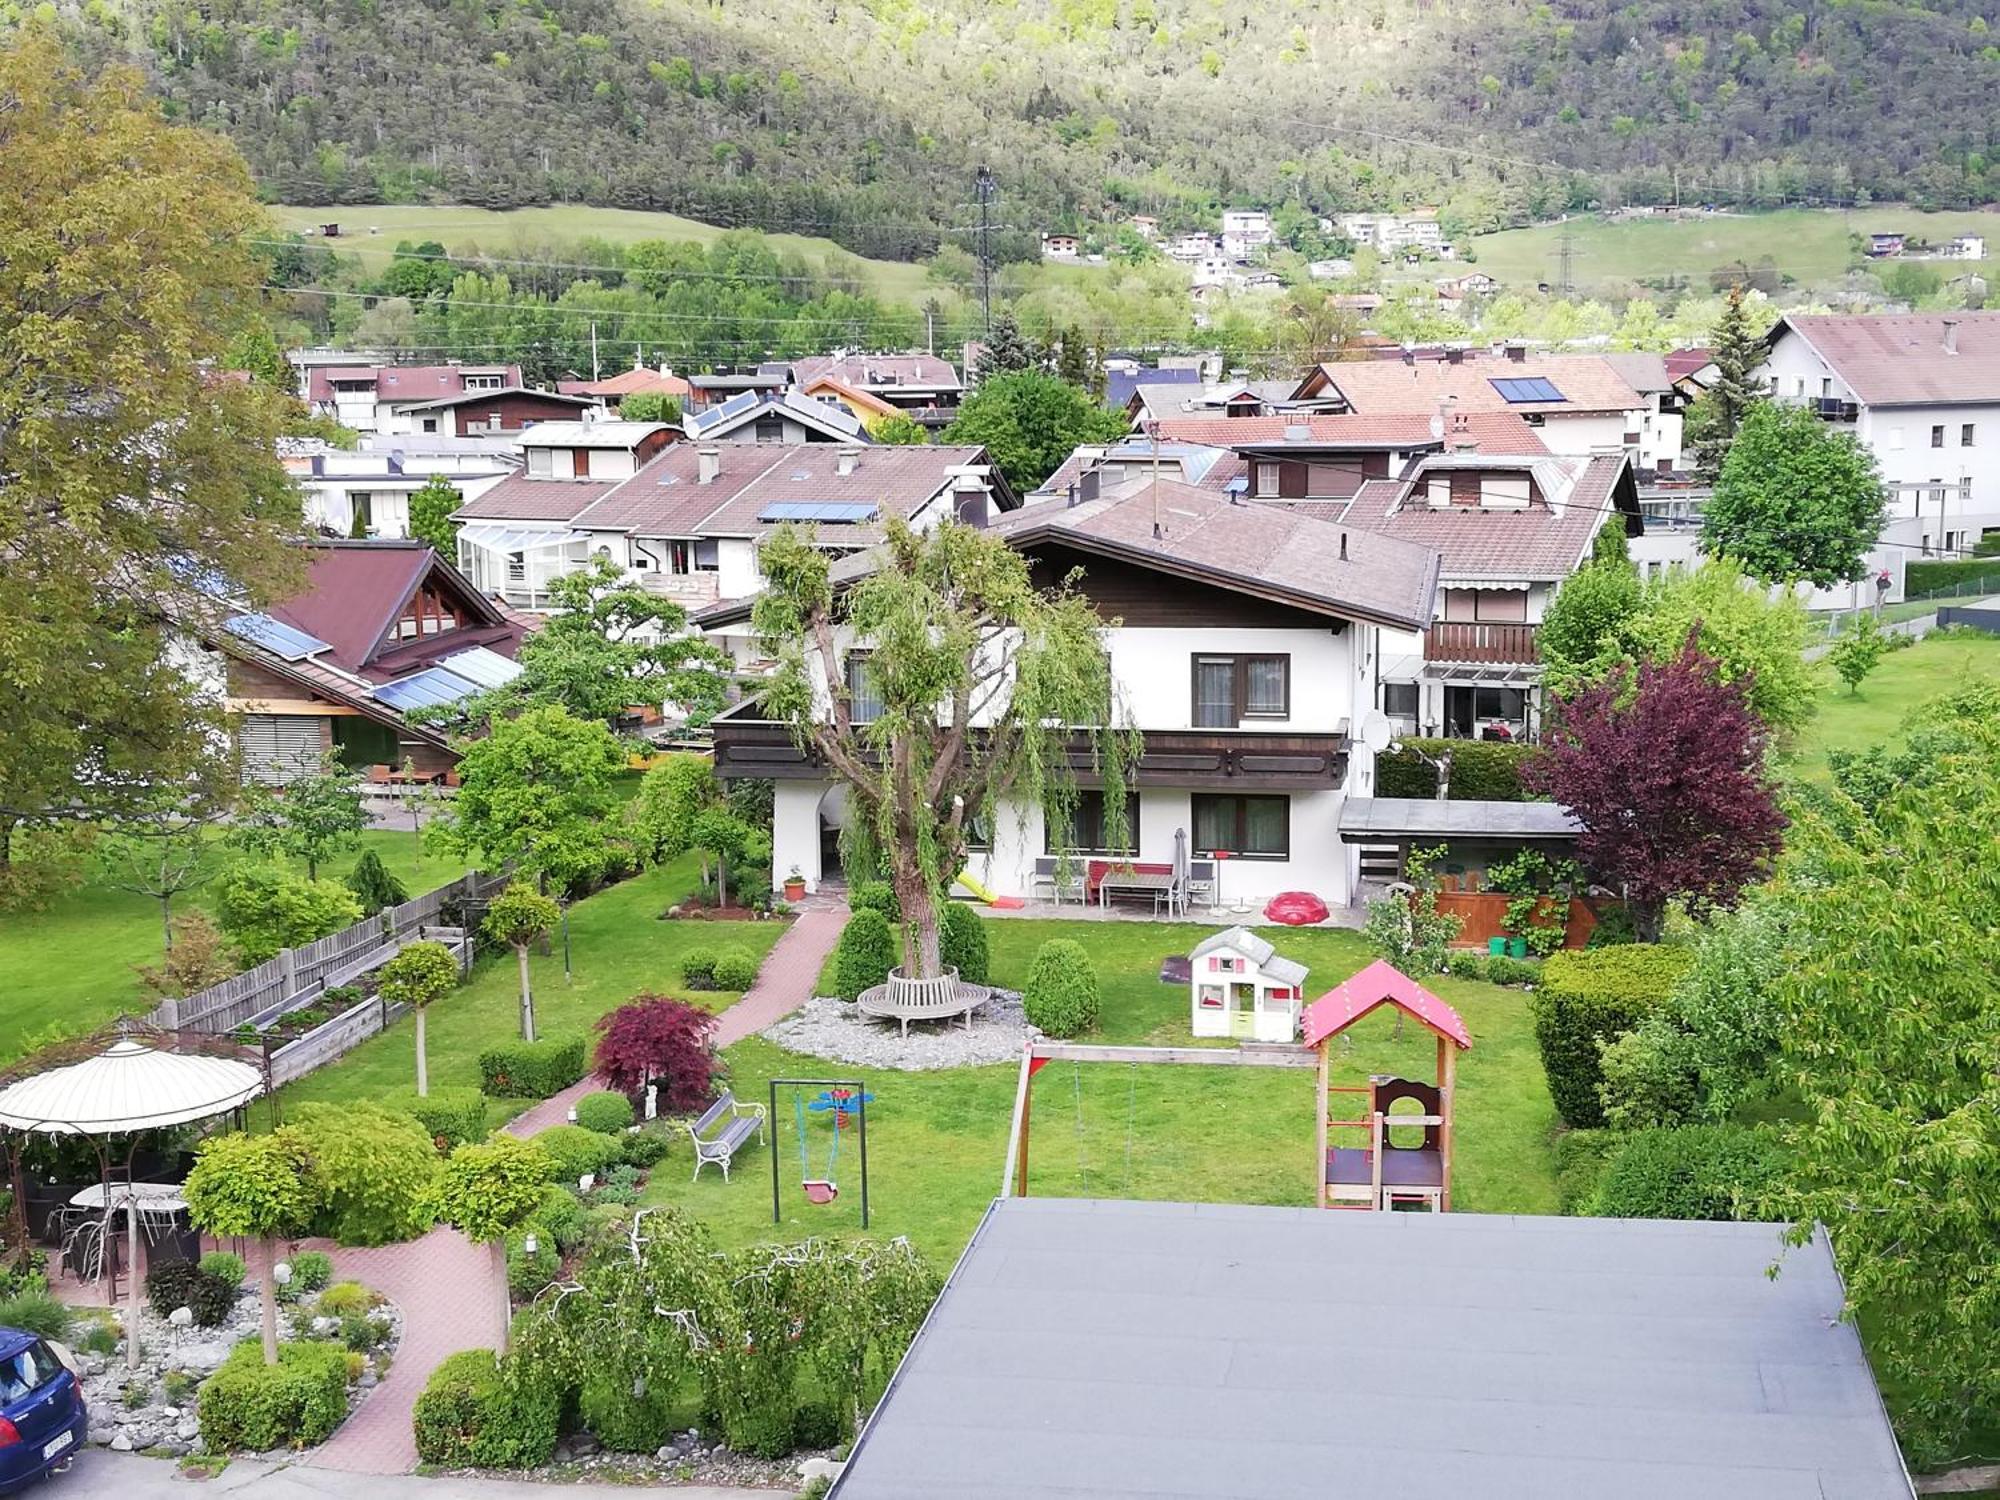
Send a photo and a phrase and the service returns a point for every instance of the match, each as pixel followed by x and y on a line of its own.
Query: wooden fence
pixel 1484 914
pixel 299 975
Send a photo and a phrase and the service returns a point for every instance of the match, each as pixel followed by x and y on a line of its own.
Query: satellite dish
pixel 1377 732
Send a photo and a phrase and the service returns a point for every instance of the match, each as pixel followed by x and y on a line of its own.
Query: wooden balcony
pixel 1480 641
pixel 746 746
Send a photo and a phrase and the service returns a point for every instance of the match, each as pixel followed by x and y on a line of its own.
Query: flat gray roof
pixel 1126 1351
pixel 1367 820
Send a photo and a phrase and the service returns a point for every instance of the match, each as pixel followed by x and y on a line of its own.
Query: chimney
pixel 1454 355
pixel 1951 335
pixel 849 457
pixel 1518 353
pixel 708 465
pixel 1343 546
pixel 970 495
pixel 1087 486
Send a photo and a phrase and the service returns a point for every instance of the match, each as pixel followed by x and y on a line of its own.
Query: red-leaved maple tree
pixel 657 1039
pixel 1665 771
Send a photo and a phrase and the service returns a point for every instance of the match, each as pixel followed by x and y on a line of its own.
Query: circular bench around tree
pixel 938 999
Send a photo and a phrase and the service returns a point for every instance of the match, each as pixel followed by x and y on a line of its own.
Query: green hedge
pixel 453 1116
pixel 1589 997
pixel 1930 577
pixel 605 1112
pixel 865 954
pixel 249 1406
pixel 561 1213
pixel 1481 771
pixel 962 942
pixel 531 1070
pixel 642 1148
pixel 480 1412
pixel 1061 995
pixel 1687 1172
pixel 574 1151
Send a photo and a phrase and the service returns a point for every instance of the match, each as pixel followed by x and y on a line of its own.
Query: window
pixel 360 513
pixel 1799 386
pixel 769 430
pixel 1937 434
pixel 1509 606
pixel 1471 712
pixel 1243 827
pixel 541 463
pixel 430 424
pixel 864 703
pixel 517 567
pixel 482 382
pixel 706 557
pixel 1088 833
pixel 1965 433
pixel 1506 491
pixel 1826 386
pixel 1399 700
pixel 1267 479
pixel 979 829
pixel 1230 689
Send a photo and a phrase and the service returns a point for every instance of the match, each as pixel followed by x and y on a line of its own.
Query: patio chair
pixel 1199 887
pixel 1062 885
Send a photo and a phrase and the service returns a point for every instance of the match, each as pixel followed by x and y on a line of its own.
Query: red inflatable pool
pixel 1295 909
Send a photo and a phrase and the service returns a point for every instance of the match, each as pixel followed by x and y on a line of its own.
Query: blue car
pixel 42 1416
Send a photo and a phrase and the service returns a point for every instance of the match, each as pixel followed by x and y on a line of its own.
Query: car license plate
pixel 62 1441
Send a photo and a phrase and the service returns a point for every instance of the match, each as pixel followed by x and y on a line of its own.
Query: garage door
pixel 277 747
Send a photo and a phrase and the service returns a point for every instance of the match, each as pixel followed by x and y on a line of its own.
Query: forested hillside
pixel 864 120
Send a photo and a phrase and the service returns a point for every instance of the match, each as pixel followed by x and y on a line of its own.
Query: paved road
pixel 100 1473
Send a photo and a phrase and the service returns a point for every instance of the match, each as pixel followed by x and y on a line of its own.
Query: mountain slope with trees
pixel 865 122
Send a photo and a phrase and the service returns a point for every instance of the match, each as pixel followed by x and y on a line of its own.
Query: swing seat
pixel 820 1192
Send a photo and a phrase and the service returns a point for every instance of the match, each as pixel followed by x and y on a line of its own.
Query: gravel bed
pixel 831 1028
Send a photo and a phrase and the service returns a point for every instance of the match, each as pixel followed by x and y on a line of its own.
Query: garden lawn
pixel 1234 1135
pixel 1904 680
pixel 619 947
pixel 72 965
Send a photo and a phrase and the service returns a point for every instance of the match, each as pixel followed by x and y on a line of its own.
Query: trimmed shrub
pixel 877 896
pixel 311 1271
pixel 643 1149
pixel 1481 771
pixel 531 1070
pixel 819 1424
pixel 39 1312
pixel 1463 963
pixel 573 1151
pixel 1061 995
pixel 735 969
pixel 451 1116
pixel 561 1213
pixel 481 1411
pixel 698 968
pixel 623 1422
pixel 228 1267
pixel 962 942
pixel 248 1405
pixel 1687 1172
pixel 373 885
pixel 1589 998
pixel 528 1273
pixel 1580 1159
pixel 1498 968
pixel 604 1112
pixel 375 1169
pixel 1920 578
pixel 865 954
pixel 180 1283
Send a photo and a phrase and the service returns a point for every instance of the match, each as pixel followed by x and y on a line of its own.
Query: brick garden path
pixel 444 1284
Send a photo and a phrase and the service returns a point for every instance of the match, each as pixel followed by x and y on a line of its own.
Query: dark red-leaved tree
pixel 1666 774
pixel 657 1039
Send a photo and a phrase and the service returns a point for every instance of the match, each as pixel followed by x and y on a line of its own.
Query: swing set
pixel 846 1100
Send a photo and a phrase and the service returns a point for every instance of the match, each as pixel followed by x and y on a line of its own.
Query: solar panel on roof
pixel 487 668
pixel 430 688
pixel 275 636
pixel 1530 388
pixel 846 512
pixel 735 406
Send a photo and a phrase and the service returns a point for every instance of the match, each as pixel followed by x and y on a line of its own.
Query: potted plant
pixel 795 885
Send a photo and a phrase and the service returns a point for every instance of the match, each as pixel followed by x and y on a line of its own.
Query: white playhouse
pixel 1242 988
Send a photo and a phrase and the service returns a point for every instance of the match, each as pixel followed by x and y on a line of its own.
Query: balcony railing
pixel 1480 641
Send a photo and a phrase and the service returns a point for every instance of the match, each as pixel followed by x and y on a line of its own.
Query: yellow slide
pixel 981 893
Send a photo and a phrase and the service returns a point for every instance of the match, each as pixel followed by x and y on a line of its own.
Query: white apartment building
pixel 1391 233
pixel 1245 232
pixel 366 493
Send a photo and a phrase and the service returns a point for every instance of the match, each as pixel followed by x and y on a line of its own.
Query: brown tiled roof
pixel 355 591
pixel 879 371
pixel 1587 382
pixel 1543 543
pixel 474 398
pixel 406 382
pixel 1900 360
pixel 1492 431
pixel 1682 363
pixel 628 383
pixel 521 497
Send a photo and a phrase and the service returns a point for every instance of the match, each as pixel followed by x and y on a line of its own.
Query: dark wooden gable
pixel 1142 596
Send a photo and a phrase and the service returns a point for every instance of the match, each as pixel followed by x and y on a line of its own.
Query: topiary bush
pixel 735 969
pixel 1481 771
pixel 1463 963
pixel 962 942
pixel 574 1151
pixel 561 1213
pixel 1687 1172
pixel 698 968
pixel 604 1112
pixel 876 896
pixel 531 1070
pixel 529 1271
pixel 374 1169
pixel 224 1265
pixel 1061 995
pixel 865 954
pixel 248 1405
pixel 623 1422
pixel 1586 999
pixel 642 1149
pixel 1499 968
pixel 481 1411
pixel 311 1271
pixel 451 1117
pixel 180 1283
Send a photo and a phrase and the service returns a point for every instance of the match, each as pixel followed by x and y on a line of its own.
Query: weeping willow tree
pixel 975 686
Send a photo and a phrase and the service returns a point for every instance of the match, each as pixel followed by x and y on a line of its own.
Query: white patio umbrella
pixel 128 1088
pixel 1180 894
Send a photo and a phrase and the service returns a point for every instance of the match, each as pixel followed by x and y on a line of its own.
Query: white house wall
pixel 1153 668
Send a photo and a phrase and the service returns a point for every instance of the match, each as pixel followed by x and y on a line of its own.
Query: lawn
pixel 1809 245
pixel 619 947
pixel 370 230
pixel 1905 680
pixel 936 1140
pixel 74 962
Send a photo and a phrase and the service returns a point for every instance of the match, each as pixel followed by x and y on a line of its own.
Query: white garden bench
pixel 940 999
pixel 738 1123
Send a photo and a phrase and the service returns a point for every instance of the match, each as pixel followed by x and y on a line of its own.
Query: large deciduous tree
pixel 430 515
pixel 535 792
pixel 1029 423
pixel 1722 407
pixel 979 681
pixel 1664 768
pixel 316 814
pixel 1796 500
pixel 130 468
